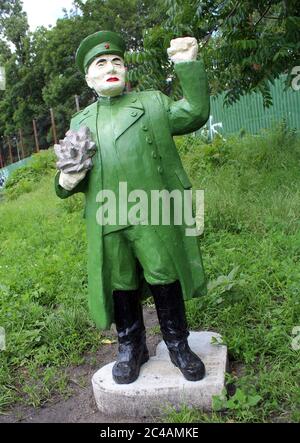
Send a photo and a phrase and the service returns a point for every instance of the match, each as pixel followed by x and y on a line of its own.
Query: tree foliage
pixel 14 26
pixel 40 66
pixel 245 44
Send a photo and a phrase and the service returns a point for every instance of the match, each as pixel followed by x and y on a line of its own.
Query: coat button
pixel 154 155
pixel 134 100
pixel 149 140
pixel 133 114
pixel 145 128
pixel 160 170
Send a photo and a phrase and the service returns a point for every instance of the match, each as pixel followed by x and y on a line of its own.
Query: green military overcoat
pixel 142 128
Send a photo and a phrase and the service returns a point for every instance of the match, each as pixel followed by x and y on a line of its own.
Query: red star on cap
pixel 107 45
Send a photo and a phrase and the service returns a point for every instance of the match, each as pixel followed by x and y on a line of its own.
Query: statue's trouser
pixel 123 249
pixel 172 319
pixel 133 351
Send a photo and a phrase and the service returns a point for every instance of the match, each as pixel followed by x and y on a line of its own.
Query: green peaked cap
pixel 102 42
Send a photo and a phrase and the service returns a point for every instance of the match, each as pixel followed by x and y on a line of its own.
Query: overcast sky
pixel 44 12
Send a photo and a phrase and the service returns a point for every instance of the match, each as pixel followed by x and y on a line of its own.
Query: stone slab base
pixel 161 385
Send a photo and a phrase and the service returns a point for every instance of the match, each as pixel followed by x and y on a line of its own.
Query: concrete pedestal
pixel 161 384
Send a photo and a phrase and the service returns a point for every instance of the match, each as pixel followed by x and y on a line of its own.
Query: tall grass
pixel 42 287
pixel 251 249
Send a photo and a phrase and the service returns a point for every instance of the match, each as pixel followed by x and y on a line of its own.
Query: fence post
pixel 77 103
pixel 53 126
pixel 1 159
pixel 22 142
pixel 17 146
pixel 10 150
pixel 36 136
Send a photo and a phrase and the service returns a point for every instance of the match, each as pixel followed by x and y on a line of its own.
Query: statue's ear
pixel 88 81
pixel 90 85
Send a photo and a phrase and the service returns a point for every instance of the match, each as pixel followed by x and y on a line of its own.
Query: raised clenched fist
pixel 183 49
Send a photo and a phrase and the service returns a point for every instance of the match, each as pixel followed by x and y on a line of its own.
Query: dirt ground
pixel 81 406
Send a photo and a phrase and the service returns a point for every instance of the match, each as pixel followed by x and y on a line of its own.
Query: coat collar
pixel 126 110
pixel 127 99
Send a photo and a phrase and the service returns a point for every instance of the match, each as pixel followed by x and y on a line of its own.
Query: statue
pixel 128 138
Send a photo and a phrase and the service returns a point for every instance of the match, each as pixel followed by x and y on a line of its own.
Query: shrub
pixel 23 179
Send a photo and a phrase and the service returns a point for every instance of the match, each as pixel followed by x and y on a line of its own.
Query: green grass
pixel 43 292
pixel 251 250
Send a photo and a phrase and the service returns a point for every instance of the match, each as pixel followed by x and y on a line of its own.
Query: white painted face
pixel 106 75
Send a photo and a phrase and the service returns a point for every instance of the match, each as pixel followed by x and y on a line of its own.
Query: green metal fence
pixel 249 113
pixel 5 172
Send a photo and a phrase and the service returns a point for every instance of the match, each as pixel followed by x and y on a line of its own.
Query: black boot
pixel 133 351
pixel 171 315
